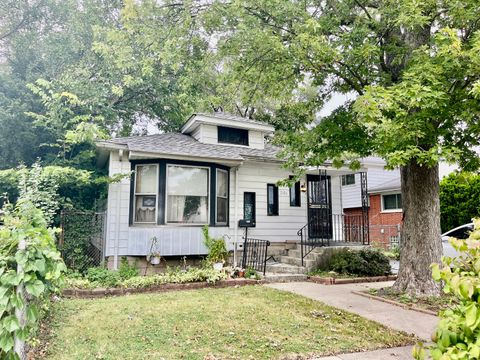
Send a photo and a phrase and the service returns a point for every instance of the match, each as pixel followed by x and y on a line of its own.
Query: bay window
pixel 222 197
pixel 146 189
pixel 187 194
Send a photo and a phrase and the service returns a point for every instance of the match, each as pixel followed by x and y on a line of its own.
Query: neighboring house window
pixel 187 194
pixel 272 199
pixel 232 136
pixel 295 194
pixel 391 202
pixel 249 206
pixel 146 189
pixel 222 196
pixel 348 179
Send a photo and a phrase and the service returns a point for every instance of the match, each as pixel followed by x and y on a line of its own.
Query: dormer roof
pixel 224 119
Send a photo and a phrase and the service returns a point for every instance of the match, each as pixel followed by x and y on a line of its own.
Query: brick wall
pixel 384 228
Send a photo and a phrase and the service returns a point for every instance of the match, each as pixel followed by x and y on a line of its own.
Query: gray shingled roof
pixel 184 145
pixel 393 184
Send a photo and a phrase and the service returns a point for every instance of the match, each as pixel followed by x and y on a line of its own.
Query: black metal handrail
pixel 332 230
pixel 255 254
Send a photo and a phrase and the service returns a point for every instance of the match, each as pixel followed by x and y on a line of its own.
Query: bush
pixel 366 262
pixel 103 277
pixel 458 333
pixel 127 271
pixel 217 250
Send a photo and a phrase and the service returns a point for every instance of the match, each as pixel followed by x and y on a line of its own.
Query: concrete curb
pixel 106 292
pixel 337 281
pixel 393 302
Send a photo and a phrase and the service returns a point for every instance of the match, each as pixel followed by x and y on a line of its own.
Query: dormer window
pixel 228 135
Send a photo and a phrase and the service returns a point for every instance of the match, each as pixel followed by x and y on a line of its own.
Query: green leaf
pixel 6 342
pixel 40 265
pixel 10 323
pixel 35 289
pixel 471 316
pixel 32 314
pixel 3 291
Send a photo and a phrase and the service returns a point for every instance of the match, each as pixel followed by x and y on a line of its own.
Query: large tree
pixel 413 69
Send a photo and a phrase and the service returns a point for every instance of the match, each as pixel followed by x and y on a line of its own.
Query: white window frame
pixel 383 204
pixel 208 195
pixel 217 196
pixel 135 194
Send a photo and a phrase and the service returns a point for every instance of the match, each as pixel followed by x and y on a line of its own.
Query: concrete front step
pixel 297 253
pixel 307 263
pixel 282 268
pixel 277 278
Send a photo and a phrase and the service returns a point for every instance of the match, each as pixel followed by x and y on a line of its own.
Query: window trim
pixel 298 194
pixel 276 200
pixel 344 183
pixel 135 194
pixel 208 195
pixel 383 210
pixel 231 143
pixel 222 223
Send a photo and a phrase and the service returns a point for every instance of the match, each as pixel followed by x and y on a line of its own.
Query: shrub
pixel 217 250
pixel 127 271
pixel 27 276
pixel 103 277
pixel 458 333
pixel 366 262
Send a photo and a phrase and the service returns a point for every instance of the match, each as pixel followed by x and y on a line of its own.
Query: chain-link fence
pixel 82 240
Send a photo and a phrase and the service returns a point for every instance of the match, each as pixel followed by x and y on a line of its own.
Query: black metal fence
pixel 333 230
pixel 82 239
pixel 255 254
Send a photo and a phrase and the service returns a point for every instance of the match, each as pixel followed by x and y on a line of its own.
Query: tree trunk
pixel 421 237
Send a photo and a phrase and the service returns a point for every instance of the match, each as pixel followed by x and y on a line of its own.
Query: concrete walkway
pixel 341 296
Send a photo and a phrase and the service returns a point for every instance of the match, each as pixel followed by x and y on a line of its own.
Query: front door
pixel 319 207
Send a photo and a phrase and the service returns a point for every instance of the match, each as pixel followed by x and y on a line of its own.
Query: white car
pixel 462 232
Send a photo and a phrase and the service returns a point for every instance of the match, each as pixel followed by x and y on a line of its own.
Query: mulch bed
pixel 105 292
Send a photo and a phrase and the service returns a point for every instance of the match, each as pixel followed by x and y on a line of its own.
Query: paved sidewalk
pixel 341 296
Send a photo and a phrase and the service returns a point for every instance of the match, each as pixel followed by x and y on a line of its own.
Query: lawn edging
pixel 396 303
pixel 339 281
pixel 106 292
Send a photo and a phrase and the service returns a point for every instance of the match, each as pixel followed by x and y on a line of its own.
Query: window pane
pixel 146 179
pixel 232 135
pixel 145 209
pixel 222 185
pixel 390 202
pixel 187 181
pixel 249 206
pixel 187 209
pixel 399 200
pixel 272 200
pixel 222 204
pixel 348 179
pixel 187 189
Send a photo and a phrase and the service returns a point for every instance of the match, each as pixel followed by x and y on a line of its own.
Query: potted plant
pixel 217 250
pixel 154 258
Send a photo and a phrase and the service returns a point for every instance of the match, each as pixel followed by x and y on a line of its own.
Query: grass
pixel 252 322
pixel 432 303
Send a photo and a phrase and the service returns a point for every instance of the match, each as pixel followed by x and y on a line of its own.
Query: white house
pixel 219 169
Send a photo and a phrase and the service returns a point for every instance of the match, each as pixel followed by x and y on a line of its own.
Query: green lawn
pixel 253 322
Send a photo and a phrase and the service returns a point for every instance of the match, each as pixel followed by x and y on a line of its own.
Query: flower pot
pixel 155 260
pixel 218 266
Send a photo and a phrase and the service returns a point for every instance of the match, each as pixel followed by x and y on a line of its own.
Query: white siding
pixel 209 134
pixel 187 240
pixel 376 175
pixel 256 139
